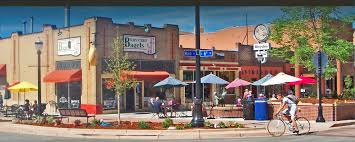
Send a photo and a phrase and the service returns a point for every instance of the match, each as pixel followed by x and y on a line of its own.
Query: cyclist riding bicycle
pixel 290 113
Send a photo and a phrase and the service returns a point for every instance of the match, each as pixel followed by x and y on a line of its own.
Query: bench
pixel 66 113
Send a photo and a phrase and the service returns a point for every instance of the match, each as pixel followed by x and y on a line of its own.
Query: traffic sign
pixel 206 53
pixel 261 46
pixel 190 53
pixel 324 61
pixel 261 52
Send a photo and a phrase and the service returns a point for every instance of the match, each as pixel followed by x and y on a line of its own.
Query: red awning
pixel 59 76
pixel 3 69
pixel 146 75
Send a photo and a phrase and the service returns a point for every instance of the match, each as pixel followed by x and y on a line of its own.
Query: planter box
pixel 331 112
pixel 226 112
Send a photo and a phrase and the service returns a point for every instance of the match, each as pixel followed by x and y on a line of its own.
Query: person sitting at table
pixel 238 102
pixel 173 105
pixel 26 109
pixel 34 107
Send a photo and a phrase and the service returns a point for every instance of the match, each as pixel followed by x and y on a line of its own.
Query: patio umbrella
pixel 170 82
pixel 305 80
pixel 262 80
pixel 211 79
pixel 23 87
pixel 237 82
pixel 280 78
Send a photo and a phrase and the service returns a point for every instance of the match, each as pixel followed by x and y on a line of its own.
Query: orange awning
pixel 147 75
pixel 3 69
pixel 59 76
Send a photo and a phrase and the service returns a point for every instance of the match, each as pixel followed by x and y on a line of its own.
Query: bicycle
pixel 277 127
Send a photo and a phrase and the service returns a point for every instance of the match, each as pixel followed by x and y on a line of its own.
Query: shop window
pixel 189 93
pixel 108 94
pixel 188 75
pixel 68 94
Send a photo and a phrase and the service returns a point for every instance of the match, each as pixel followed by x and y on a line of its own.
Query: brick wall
pixel 226 112
pixel 331 112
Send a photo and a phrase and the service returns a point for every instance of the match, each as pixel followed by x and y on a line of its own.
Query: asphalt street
pixel 11 137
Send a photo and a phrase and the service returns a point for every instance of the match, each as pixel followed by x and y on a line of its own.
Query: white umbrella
pixel 280 78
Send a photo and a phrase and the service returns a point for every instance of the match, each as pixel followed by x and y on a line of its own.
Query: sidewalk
pixel 255 129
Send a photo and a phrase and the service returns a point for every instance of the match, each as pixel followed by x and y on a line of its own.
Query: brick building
pixel 72 78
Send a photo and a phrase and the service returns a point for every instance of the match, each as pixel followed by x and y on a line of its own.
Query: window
pixel 69 99
pixel 188 75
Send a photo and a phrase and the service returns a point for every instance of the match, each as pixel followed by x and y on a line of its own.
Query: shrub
pixel 208 124
pixel 180 127
pixel 41 120
pixel 167 123
pixel 221 124
pixel 95 122
pixel 238 125
pixel 188 125
pixel 143 125
pixel 50 120
pixel 77 122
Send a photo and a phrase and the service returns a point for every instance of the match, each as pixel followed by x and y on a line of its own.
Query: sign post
pixel 320 60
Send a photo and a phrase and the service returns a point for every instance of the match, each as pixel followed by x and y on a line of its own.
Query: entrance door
pixel 130 105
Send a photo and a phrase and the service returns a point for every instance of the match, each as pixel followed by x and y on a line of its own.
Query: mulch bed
pixel 124 125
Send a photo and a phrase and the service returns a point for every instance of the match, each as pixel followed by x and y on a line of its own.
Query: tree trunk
pixel 118 107
pixel 339 78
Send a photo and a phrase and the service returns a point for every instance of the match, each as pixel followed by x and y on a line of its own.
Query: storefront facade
pixel 74 76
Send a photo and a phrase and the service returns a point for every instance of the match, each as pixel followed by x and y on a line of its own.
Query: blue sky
pixel 212 18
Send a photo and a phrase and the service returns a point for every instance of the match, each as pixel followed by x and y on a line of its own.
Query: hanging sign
pixel 145 44
pixel 69 46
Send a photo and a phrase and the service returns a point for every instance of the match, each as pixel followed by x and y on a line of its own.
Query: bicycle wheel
pixel 303 125
pixel 276 127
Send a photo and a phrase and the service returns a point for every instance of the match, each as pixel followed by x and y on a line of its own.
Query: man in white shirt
pixel 290 113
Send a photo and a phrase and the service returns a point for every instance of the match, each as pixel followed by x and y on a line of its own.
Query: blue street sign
pixel 206 53
pixel 190 53
pixel 324 61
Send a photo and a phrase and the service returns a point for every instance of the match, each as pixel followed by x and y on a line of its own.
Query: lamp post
pixel 197 118
pixel 260 59
pixel 320 117
pixel 39 45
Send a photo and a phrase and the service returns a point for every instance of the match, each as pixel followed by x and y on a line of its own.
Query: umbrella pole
pixel 69 95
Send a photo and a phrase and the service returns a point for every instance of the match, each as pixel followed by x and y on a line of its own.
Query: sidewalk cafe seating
pixel 66 113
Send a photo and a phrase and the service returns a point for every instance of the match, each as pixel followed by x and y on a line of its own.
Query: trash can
pixel 248 109
pixel 261 109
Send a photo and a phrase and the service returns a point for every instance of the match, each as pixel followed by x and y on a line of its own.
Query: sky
pixel 213 18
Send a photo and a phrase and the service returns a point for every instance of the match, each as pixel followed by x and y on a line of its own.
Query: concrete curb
pixel 132 134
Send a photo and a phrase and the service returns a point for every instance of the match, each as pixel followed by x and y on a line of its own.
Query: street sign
pixel 261 46
pixel 190 53
pixel 324 61
pixel 261 52
pixel 206 53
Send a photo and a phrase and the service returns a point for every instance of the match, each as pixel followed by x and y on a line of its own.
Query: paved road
pixel 7 137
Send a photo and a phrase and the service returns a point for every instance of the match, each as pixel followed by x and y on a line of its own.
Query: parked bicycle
pixel 277 127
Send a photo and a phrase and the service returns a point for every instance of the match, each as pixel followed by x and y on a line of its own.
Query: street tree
pixel 118 66
pixel 302 31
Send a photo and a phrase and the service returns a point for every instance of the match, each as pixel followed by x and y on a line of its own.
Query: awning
pixel 3 69
pixel 60 76
pixel 147 75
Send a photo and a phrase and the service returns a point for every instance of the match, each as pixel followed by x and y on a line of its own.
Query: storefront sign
pixel 69 48
pixel 145 44
pixel 68 65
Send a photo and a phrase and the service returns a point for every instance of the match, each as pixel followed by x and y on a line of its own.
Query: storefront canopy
pixel 2 69
pixel 147 75
pixel 60 76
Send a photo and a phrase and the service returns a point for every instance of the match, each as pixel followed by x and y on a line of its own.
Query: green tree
pixel 118 65
pixel 349 91
pixel 301 31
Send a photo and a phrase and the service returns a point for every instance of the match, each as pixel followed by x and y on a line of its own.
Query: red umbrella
pixel 305 80
pixel 237 82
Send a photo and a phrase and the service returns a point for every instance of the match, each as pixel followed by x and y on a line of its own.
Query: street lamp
pixel 197 117
pixel 260 59
pixel 39 46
